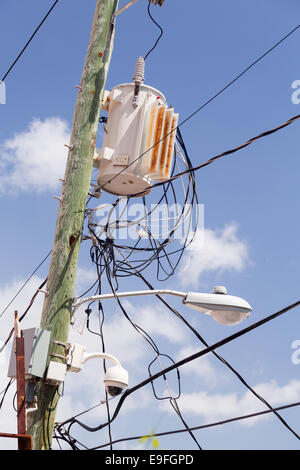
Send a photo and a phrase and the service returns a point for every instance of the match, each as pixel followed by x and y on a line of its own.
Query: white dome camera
pixel 116 380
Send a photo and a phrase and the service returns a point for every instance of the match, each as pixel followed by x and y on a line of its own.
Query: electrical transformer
pixel 139 138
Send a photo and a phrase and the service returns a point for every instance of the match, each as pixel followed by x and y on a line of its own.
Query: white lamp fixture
pixel 225 309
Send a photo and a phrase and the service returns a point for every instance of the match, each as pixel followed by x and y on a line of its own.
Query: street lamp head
pixel 226 309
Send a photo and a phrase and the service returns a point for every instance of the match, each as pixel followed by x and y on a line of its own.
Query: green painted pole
pixel 57 308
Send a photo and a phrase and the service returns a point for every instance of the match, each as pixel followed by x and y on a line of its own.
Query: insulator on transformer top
pixel 139 141
pixel 139 75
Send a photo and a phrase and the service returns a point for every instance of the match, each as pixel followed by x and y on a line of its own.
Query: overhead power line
pixel 160 35
pixel 24 284
pixel 29 40
pixel 220 358
pixel 206 103
pixel 203 426
pixel 24 314
pixel 241 74
pixel 235 149
pixel 221 155
pixel 186 360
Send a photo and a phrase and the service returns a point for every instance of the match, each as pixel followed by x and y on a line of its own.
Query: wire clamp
pixel 60 356
pixel 43 292
pixel 60 343
pixel 69 147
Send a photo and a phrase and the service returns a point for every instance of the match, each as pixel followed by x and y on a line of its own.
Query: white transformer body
pixel 139 140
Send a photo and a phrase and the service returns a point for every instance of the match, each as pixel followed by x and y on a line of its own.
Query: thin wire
pixel 106 258
pixel 26 282
pixel 203 426
pixel 186 220
pixel 206 103
pixel 29 40
pixel 219 357
pixel 226 153
pixel 159 37
pixel 186 360
pixel 24 314
pixel 4 392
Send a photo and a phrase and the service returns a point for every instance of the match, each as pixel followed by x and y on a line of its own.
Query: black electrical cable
pixel 203 426
pixel 160 35
pixel 173 400
pixel 206 103
pixel 24 314
pixel 26 282
pixel 138 274
pixel 226 153
pixel 164 377
pixel 218 356
pixel 29 40
pixel 186 360
pixel 46 432
pixel 95 258
pixel 175 406
pixel 101 321
pixel 186 220
pixel 4 392
pixel 191 170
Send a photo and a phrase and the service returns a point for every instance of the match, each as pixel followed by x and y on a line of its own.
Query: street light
pixel 225 309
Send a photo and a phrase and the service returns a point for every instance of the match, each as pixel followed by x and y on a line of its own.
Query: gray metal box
pixel 36 344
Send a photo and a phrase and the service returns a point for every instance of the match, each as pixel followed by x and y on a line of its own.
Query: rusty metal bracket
pixel 25 441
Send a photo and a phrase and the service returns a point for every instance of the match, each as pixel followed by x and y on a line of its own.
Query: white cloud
pixel 35 159
pixel 215 407
pixel 215 250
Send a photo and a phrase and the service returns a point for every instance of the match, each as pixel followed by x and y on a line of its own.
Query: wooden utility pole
pixel 57 308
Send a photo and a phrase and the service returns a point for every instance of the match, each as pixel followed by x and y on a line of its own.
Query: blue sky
pixel 251 201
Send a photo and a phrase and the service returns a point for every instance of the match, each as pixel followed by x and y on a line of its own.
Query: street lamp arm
pixel 225 309
pixel 127 294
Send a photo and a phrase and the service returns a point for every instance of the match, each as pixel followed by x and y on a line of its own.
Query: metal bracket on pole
pixel 125 7
pixel 130 4
pixel 60 356
pixel 60 343
pixel 24 443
